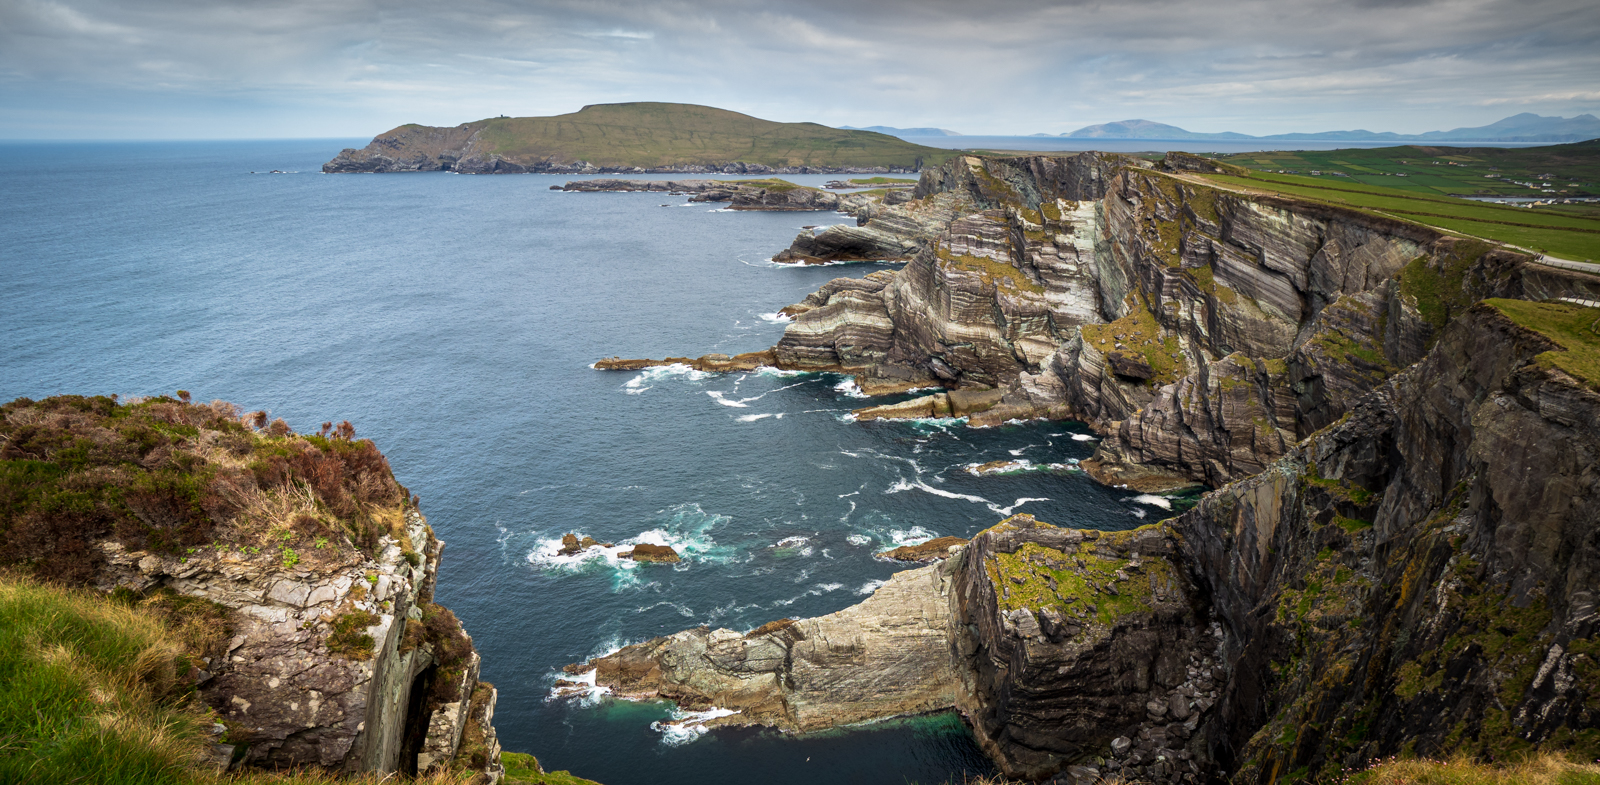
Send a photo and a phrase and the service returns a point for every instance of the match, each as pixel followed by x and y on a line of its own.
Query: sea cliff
pixel 1399 424
pixel 314 569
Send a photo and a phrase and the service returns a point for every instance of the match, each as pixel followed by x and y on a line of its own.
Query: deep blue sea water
pixel 453 320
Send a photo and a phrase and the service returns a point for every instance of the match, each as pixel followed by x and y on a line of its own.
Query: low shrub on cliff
pixel 348 637
pixel 171 476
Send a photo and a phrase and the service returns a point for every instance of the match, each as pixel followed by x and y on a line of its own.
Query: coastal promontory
pixel 635 138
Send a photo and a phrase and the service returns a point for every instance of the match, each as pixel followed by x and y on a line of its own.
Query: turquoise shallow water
pixel 453 319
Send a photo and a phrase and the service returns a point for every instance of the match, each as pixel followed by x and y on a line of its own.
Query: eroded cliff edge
pixel 1201 330
pixel 312 569
pixel 1417 577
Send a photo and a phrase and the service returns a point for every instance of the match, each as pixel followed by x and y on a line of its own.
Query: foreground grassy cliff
pixel 291 576
pixel 635 137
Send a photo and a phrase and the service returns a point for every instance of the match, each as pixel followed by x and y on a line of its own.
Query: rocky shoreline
pixel 1398 553
pixel 1433 549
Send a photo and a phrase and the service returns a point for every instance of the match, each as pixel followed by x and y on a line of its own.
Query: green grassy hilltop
pixel 650 136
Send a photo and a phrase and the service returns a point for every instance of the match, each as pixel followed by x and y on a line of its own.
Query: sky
pixel 216 69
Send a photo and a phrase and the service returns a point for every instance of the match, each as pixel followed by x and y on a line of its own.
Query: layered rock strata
pixel 886 656
pixel 1202 331
pixel 1419 578
pixel 1416 578
pixel 1081 647
pixel 1054 643
pixel 288 692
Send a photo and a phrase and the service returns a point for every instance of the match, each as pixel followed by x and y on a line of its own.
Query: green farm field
pixel 1567 235
pixel 1573 169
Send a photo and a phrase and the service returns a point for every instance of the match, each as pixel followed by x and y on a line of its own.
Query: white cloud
pixel 361 66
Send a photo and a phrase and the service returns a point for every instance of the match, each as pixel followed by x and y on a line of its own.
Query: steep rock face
pixel 1421 576
pixel 319 670
pixel 884 657
pixel 1077 644
pixel 903 224
pixel 1201 330
pixel 299 571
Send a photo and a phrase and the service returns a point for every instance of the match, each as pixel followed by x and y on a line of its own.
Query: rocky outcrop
pixel 884 657
pixel 761 195
pixel 652 553
pixel 320 670
pixel 300 572
pixel 1082 646
pixel 1201 331
pixel 932 550
pixel 1419 577
pixel 1063 648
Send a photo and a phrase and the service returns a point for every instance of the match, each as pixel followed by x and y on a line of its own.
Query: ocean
pixel 453 320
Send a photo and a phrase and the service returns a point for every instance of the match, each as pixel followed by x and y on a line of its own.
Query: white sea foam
pixel 1152 500
pixel 904 485
pixel 777 318
pixel 767 370
pixel 685 528
pixel 858 539
pixel 816 590
pixel 754 417
pixel 869 587
pixel 1083 437
pixel 646 379
pixel 849 389
pixel 792 542
pixel 686 726
pixel 915 535
pixel 580 688
pixel 717 395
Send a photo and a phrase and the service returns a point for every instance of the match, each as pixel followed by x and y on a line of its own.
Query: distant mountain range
pixel 1525 127
pixel 884 129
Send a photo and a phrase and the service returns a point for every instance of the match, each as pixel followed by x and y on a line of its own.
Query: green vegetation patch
pixel 1082 584
pixel 90 691
pixel 1425 170
pixel 1574 327
pixel 524 769
pixel 1438 285
pixel 649 134
pixel 1549 768
pixel 772 184
pixel 174 477
pixel 991 271
pixel 1565 235
pixel 1141 334
pixel 881 181
pixel 348 638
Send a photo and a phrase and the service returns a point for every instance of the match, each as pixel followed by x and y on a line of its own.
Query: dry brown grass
pixel 1547 768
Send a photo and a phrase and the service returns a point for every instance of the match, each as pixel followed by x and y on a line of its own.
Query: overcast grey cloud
pixel 193 69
